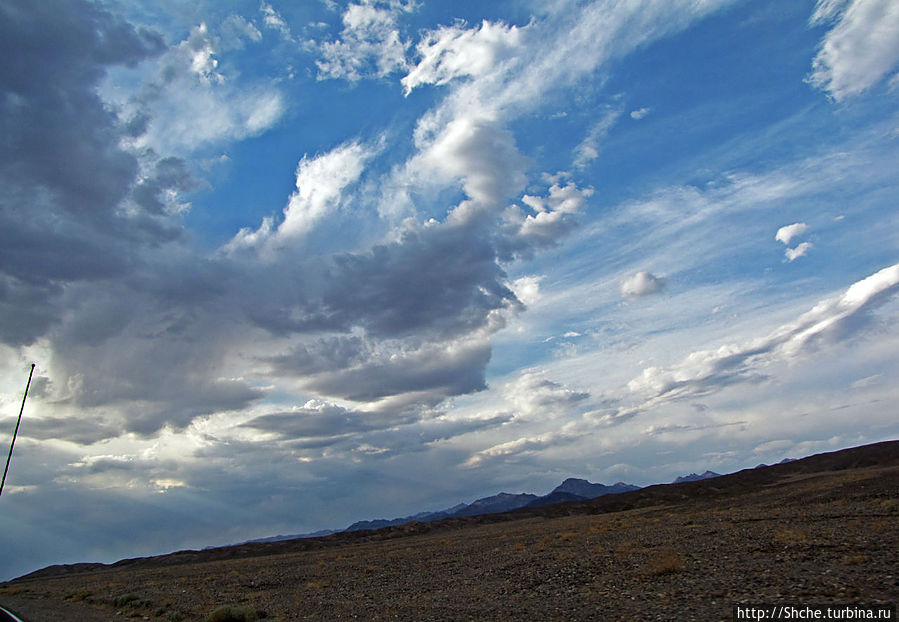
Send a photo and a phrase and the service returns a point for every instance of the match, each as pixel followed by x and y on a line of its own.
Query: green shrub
pixel 233 613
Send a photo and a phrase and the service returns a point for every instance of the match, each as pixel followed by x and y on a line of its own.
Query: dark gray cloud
pixel 169 174
pixel 83 430
pixel 324 354
pixel 326 421
pixel 442 280
pixel 412 316
pixel 61 165
pixel 433 370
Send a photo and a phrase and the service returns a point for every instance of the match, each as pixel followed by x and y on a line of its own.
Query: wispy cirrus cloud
pixel 194 100
pixel 703 374
pixel 454 51
pixel 829 322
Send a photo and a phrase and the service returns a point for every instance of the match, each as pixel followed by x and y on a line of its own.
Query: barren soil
pixel 821 530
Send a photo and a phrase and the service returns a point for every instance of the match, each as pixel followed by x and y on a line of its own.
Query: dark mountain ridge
pixel 693 477
pixel 883 454
pixel 572 489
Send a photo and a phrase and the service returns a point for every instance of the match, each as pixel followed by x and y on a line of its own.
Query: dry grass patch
pixel 664 563
pixel 625 549
pixel 12 591
pixel 79 595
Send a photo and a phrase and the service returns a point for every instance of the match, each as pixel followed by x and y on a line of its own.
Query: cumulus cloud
pixel 788 232
pixel 546 221
pixel 369 44
pixel 859 50
pixel 321 182
pixel 478 152
pixel 641 284
pixel 532 395
pixel 640 113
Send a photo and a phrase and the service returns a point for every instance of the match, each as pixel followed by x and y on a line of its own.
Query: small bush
pixel 131 600
pixel 233 613
pixel 78 595
pixel 664 562
pixel 173 616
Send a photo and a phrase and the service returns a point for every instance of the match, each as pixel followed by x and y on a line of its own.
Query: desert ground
pixel 815 531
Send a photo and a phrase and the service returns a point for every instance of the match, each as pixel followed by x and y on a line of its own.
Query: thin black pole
pixel 18 421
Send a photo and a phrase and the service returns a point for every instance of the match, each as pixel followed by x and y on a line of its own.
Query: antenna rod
pixel 18 421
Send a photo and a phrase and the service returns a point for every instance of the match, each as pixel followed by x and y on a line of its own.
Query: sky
pixel 283 266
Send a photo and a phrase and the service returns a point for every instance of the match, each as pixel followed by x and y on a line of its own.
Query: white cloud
pixel 588 150
pixel 788 232
pixel 479 153
pixel 831 321
pixel 860 49
pixel 641 284
pixel 235 28
pixel 799 251
pixel 321 183
pixel 453 51
pixel 532 395
pixel 527 289
pixel 551 218
pixel 193 101
pixel 521 446
pixel 272 20
pixel 640 113
pixel 198 49
pixel 369 44
pixel 585 40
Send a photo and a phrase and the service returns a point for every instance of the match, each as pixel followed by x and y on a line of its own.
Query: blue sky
pixel 284 266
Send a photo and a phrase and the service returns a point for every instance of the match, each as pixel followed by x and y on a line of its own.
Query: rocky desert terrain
pixel 820 530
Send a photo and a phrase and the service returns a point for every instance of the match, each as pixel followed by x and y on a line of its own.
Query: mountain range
pixel 572 489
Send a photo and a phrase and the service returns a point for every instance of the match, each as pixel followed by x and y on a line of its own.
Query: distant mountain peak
pixel 693 477
pixel 588 490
